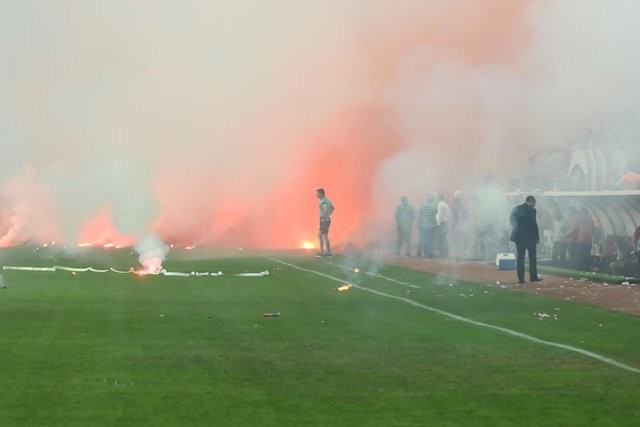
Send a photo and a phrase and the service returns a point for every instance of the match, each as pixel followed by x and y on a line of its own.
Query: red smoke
pixel 242 168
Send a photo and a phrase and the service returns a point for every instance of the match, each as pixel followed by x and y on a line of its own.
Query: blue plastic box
pixel 506 261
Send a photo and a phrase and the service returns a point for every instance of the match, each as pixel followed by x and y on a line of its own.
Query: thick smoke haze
pixel 213 122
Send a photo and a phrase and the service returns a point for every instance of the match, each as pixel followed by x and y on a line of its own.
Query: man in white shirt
pixel 442 219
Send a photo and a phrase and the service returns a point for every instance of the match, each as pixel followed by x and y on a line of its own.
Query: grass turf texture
pixel 110 349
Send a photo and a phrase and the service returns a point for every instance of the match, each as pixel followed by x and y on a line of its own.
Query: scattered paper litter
pixel 543 316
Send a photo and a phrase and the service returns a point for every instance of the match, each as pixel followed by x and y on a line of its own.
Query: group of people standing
pixel 573 238
pixel 433 220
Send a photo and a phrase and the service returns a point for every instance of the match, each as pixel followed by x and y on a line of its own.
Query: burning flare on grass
pixel 344 287
pixel 307 245
pixel 152 252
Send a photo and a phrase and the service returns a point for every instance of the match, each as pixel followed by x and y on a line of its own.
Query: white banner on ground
pixel 131 271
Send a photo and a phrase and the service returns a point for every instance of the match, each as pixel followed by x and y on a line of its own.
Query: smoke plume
pixel 214 122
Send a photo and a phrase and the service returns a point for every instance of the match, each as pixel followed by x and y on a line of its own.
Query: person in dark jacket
pixel 526 236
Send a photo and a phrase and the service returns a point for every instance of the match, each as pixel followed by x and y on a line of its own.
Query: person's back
pixel 426 227
pixel 523 221
pixel 585 228
pixel 428 213
pixel 404 214
pixel 526 236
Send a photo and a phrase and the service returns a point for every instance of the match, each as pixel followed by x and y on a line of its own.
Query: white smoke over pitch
pixel 195 121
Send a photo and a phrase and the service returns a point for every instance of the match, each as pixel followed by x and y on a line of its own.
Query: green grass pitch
pixel 108 349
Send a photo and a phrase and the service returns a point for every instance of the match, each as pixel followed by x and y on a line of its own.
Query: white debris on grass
pixel 9 267
pixel 175 273
pixel 543 316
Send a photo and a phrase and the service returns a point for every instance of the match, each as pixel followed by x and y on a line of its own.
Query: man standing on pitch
pixel 526 236
pixel 326 209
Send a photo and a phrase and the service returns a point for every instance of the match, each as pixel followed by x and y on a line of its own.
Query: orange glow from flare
pixel 91 244
pixel 307 245
pixel 100 231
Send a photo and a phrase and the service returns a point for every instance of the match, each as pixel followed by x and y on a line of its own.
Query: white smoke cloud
pixel 152 252
pixel 585 70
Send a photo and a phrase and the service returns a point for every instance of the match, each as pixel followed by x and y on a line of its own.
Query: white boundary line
pixel 473 322
pixel 379 276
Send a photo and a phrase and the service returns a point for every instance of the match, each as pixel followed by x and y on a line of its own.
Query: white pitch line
pixel 379 276
pixel 508 331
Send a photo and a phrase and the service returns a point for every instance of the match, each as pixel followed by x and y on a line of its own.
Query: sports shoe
pixel 319 255
pixel 329 255
pixel 537 279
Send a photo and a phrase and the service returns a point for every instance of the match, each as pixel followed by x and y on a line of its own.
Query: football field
pixel 352 343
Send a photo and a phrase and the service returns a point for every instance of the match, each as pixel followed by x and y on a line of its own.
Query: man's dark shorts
pixel 324 225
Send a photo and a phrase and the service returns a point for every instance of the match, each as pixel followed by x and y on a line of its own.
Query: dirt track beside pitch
pixel 623 298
